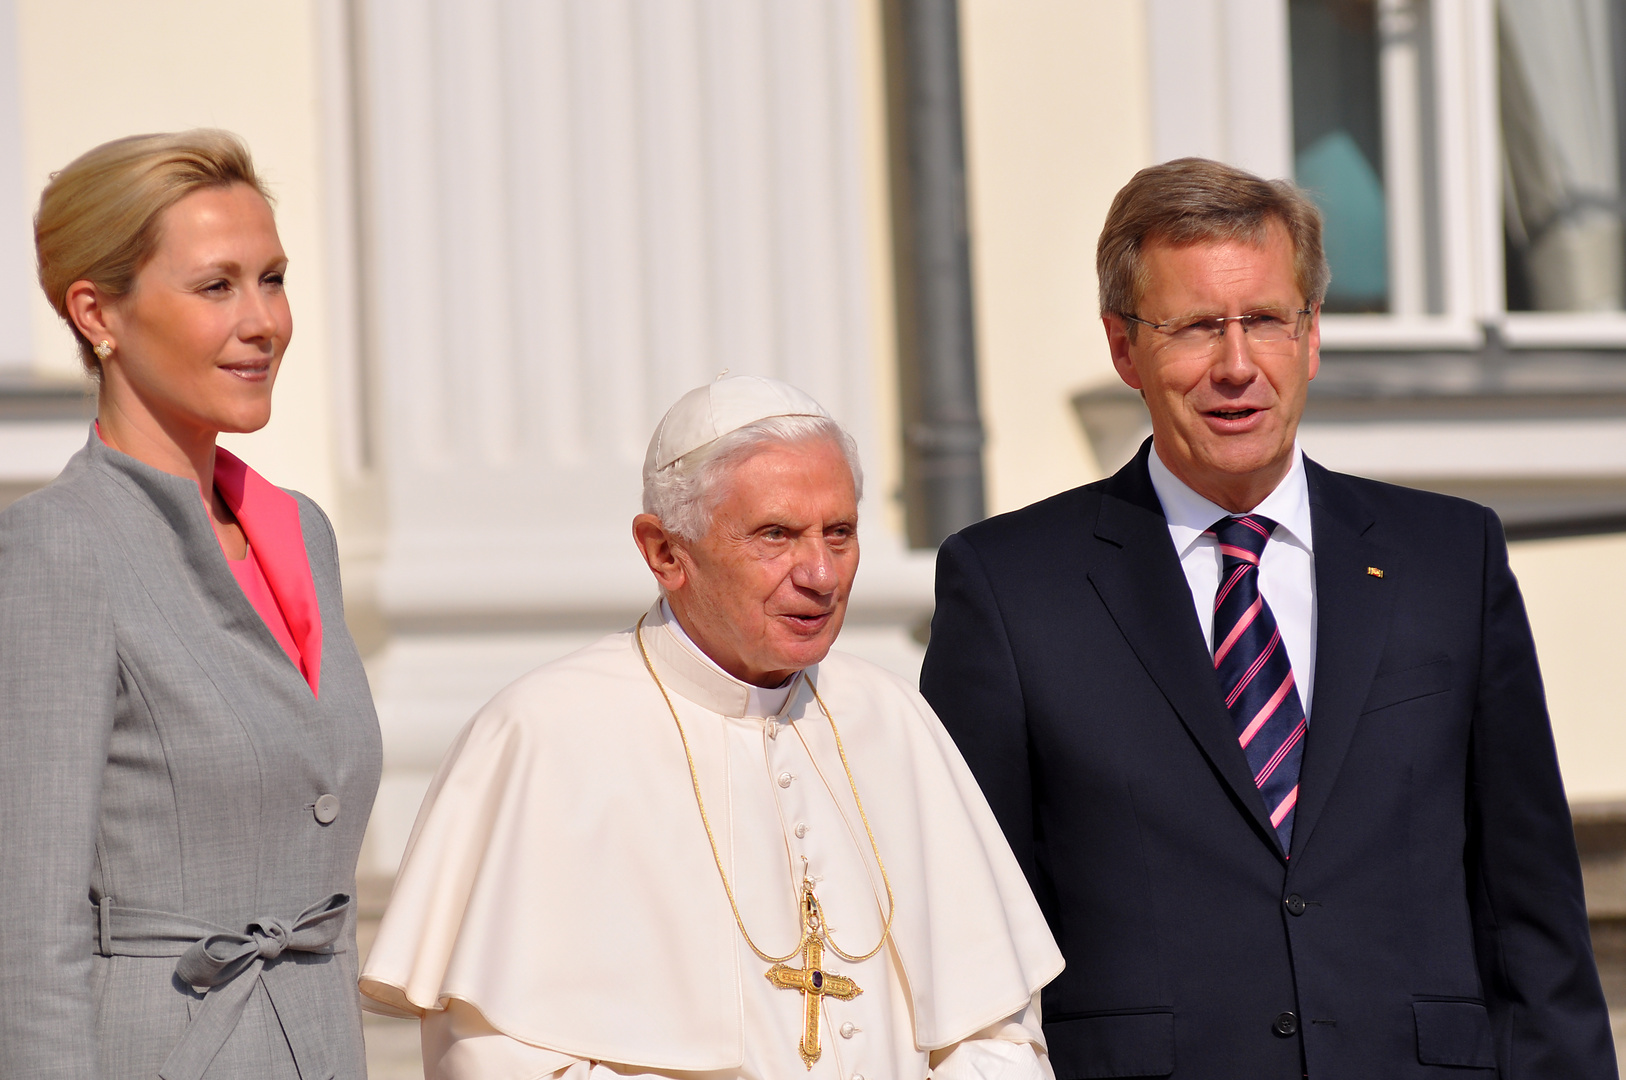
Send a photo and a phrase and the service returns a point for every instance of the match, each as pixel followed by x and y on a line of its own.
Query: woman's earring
pixel 103 349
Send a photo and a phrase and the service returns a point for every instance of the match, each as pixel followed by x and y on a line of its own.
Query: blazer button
pixel 1285 1025
pixel 1295 904
pixel 327 809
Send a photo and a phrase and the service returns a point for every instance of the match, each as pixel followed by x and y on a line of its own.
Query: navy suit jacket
pixel 1429 919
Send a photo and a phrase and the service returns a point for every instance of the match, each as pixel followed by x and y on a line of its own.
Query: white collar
pixel 758 701
pixel 1190 515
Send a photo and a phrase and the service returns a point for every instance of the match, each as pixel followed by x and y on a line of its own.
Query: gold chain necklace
pixel 814 926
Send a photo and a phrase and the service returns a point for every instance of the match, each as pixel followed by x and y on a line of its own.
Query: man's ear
pixel 659 549
pixel 1117 328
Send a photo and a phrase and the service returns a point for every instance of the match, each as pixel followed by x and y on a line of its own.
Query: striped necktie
pixel 1254 672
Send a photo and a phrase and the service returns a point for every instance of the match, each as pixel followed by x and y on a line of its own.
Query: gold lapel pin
pixel 1373 571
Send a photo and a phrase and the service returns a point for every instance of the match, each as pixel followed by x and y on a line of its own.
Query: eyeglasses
pixel 1202 333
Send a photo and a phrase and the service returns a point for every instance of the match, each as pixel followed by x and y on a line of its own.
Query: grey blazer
pixel 162 763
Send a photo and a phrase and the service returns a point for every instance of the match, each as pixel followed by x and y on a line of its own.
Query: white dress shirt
pixel 1286 569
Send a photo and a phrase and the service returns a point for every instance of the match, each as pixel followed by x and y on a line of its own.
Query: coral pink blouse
pixel 251 578
pixel 276 573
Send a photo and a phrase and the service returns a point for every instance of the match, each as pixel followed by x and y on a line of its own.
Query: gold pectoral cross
pixel 813 981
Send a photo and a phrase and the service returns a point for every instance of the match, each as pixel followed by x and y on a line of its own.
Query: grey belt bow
pixel 226 964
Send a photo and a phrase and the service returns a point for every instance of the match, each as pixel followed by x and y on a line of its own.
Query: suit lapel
pixel 207 588
pixel 1353 609
pixel 1138 577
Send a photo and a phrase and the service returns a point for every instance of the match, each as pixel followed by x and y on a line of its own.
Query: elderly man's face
pixel 1223 420
pixel 765 590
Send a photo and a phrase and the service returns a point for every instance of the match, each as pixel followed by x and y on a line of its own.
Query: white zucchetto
pixel 707 413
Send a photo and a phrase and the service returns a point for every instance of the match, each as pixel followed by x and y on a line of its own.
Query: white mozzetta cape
pixel 559 878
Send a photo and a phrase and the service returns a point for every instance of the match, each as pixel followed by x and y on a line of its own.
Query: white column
pixel 1259 87
pixel 16 209
pixel 1401 33
pixel 581 209
pixel 1221 83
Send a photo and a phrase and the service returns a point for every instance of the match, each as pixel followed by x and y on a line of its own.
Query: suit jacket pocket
pixel 1115 1044
pixel 1454 1033
pixel 1393 687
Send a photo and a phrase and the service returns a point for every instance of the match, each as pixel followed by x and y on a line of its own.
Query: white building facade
pixel 519 229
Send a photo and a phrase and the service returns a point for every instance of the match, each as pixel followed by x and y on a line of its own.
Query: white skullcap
pixel 707 413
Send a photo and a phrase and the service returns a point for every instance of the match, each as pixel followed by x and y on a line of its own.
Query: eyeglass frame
pixel 1299 320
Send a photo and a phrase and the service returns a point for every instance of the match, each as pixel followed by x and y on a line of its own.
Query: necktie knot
pixel 1243 538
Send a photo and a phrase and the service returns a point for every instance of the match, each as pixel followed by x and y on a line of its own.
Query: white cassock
pixel 559 910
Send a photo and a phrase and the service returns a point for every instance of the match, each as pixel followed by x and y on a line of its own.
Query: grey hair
pixel 685 494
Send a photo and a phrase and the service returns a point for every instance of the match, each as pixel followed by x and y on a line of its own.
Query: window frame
pixel 1201 107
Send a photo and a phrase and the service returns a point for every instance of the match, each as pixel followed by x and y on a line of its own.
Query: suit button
pixel 1295 904
pixel 1285 1025
pixel 327 809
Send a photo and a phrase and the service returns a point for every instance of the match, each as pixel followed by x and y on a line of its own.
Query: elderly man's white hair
pixel 685 494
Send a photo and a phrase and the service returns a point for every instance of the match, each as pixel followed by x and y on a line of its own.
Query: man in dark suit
pixel 1269 741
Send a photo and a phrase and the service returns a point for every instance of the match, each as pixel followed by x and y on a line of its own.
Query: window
pixel 1468 157
pixel 1338 144
pixel 1560 87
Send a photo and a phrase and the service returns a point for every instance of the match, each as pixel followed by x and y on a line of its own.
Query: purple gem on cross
pixel 818 979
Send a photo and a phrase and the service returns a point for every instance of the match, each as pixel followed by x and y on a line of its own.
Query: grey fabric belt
pixel 225 964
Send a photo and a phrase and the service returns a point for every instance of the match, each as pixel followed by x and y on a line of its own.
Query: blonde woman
pixel 190 750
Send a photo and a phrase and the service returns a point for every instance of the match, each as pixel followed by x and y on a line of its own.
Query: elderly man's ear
pixel 658 549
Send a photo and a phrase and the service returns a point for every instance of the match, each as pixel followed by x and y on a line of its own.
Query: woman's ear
pixel 91 311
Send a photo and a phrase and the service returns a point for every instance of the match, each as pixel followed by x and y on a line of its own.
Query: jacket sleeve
pixel 1535 953
pixel 58 679
pixel 970 679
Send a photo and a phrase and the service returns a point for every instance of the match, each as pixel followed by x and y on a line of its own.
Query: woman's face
pixel 198 340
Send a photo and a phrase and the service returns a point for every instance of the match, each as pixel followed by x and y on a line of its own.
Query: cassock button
pixel 1295 904
pixel 801 830
pixel 847 1029
pixel 785 778
pixel 1285 1025
pixel 327 809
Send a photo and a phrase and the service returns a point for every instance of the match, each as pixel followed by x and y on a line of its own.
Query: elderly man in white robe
pixel 709 846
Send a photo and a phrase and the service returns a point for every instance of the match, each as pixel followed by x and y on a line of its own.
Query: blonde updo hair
pixel 98 217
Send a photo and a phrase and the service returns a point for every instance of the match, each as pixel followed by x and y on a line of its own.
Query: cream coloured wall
pixel 95 70
pixel 1058 117
pixel 1575 592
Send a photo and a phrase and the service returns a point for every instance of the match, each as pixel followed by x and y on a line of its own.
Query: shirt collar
pixel 1190 515
pixel 758 700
